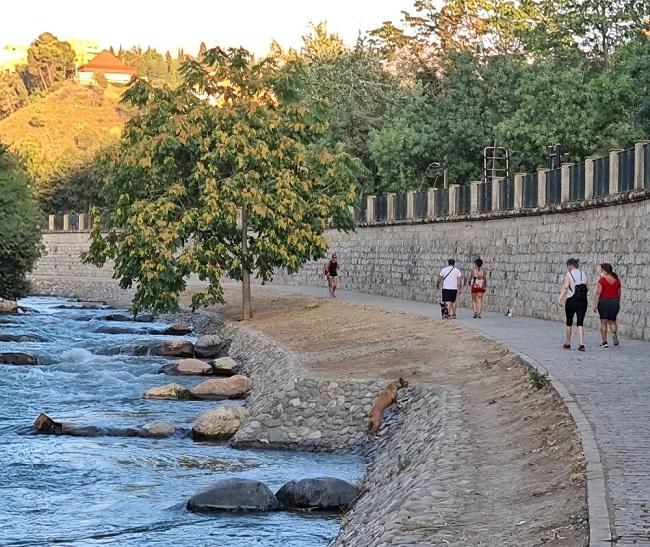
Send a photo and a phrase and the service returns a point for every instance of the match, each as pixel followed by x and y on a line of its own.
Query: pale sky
pixel 167 24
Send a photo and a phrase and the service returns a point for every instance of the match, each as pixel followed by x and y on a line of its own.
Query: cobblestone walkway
pixel 610 386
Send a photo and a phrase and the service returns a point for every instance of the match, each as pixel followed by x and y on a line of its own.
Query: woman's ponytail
pixel 607 268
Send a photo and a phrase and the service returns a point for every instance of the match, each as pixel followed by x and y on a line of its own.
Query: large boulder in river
pixel 18 358
pixel 158 429
pixel 224 366
pixel 177 330
pixel 8 306
pixel 169 392
pixel 234 387
pixel 119 330
pixel 219 423
pixel 188 367
pixel 210 345
pixel 174 348
pixel 325 493
pixel 234 495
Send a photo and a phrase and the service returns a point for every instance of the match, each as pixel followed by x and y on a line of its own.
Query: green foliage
pixel 19 227
pixel 537 379
pixel 352 83
pixel 154 66
pixel 13 93
pixel 232 135
pixel 49 60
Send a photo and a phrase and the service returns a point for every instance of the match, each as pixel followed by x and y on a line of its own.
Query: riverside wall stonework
pixel 524 255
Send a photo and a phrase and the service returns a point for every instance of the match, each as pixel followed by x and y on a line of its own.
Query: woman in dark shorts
pixel 331 271
pixel 607 302
pixel 574 288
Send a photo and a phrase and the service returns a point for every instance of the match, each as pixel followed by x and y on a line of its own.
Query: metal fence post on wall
pixel 519 190
pixel 639 165
pixel 390 206
pixel 453 200
pixel 589 177
pixel 66 223
pixel 50 223
pixel 496 193
pixel 613 170
pixel 541 187
pixel 431 203
pixel 370 209
pixel 565 183
pixel 410 204
pixel 475 201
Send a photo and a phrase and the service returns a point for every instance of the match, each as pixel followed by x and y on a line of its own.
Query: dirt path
pixel 514 473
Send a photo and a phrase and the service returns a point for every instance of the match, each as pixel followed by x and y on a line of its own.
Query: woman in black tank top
pixel 331 271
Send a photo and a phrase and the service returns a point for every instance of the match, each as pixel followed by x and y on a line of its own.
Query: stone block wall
pixel 524 255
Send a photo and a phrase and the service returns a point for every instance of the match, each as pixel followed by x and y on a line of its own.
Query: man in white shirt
pixel 452 281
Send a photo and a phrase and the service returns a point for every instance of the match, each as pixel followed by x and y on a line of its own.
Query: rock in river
pixel 169 392
pixel 174 348
pixel 234 387
pixel 224 366
pixel 233 495
pixel 219 423
pixel 21 338
pixel 177 330
pixel 320 493
pixel 18 358
pixel 188 367
pixel 158 429
pixel 210 345
pixel 8 306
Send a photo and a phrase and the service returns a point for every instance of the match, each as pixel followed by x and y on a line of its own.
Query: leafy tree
pixel 49 60
pixel 19 227
pixel 231 138
pixel 13 93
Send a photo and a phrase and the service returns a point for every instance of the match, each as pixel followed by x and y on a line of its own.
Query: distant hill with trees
pixel 60 134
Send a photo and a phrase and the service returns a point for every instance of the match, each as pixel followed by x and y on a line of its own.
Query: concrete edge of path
pixel 600 532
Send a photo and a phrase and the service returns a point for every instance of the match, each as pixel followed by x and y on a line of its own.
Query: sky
pixel 167 24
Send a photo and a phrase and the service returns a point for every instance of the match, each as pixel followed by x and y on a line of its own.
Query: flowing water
pixel 59 490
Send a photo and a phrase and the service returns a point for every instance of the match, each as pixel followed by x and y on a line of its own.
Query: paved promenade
pixel 608 393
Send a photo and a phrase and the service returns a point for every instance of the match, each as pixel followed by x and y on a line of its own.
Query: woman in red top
pixel 607 302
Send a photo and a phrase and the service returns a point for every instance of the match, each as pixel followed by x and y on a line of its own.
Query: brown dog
pixel 386 397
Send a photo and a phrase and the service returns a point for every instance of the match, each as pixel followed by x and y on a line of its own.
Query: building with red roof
pixel 115 71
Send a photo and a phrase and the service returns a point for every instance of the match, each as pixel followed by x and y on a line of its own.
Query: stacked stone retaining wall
pixel 524 256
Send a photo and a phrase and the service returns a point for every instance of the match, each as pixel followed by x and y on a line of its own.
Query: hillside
pixel 63 130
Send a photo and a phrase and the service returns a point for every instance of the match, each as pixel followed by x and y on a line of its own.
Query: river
pixel 59 490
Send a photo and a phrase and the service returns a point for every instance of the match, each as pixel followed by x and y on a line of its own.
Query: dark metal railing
pixel 420 204
pixel 531 190
pixel 485 197
pixel 507 194
pixel 442 203
pixel 464 199
pixel 577 182
pixel 554 186
pixel 601 176
pixel 381 208
pixel 400 207
pixel 626 170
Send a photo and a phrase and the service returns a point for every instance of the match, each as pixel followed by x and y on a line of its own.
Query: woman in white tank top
pixel 574 296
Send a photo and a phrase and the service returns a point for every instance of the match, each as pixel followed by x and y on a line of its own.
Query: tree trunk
pixel 247 311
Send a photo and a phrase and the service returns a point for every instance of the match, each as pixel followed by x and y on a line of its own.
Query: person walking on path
pixel 478 285
pixel 331 272
pixel 574 289
pixel 452 281
pixel 607 302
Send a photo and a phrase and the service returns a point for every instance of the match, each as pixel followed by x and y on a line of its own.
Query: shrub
pixel 20 234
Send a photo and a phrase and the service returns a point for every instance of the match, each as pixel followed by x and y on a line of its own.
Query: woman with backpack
pixel 574 295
